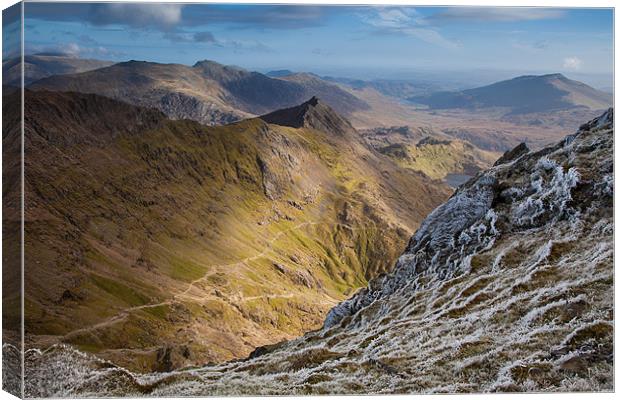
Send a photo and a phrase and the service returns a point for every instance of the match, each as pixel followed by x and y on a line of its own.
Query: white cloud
pixel 573 63
pixel 407 21
pixel 72 49
pixel 392 18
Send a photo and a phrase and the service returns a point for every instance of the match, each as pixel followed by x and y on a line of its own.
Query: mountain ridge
pixel 522 95
pixel 208 92
pixel 42 65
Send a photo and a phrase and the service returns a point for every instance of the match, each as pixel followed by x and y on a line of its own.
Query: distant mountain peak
pixel 42 65
pixel 214 65
pixel 135 62
pixel 556 75
pixel 279 73
pixel 205 63
pixel 522 95
pixel 314 101
pixel 314 114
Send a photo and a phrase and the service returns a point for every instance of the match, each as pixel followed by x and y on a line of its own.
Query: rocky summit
pixel 507 286
pixel 311 114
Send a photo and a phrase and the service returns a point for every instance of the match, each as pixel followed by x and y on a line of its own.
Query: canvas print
pixel 232 199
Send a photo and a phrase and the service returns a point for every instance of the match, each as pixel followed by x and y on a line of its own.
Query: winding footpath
pixel 176 299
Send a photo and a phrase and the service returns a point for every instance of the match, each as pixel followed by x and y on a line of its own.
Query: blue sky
pixel 388 42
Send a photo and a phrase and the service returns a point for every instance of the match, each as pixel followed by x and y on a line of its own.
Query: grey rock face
pixel 466 223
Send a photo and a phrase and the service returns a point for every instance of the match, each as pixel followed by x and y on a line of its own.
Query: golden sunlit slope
pixel 159 244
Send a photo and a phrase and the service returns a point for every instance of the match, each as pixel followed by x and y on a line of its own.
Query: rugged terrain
pixel 207 92
pixel 11 242
pixel 508 286
pixel 537 110
pixel 160 244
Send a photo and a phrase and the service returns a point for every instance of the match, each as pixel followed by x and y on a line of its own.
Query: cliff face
pixel 508 286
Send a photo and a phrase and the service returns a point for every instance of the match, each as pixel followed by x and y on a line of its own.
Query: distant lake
pixel 456 180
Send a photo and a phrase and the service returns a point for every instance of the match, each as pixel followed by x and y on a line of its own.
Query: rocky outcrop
pixel 181 106
pixel 513 154
pixel 312 114
pixel 467 223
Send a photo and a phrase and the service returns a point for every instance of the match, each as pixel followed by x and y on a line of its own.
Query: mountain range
pixel 207 92
pixel 494 118
pixel 159 244
pixel 208 230
pixel 397 88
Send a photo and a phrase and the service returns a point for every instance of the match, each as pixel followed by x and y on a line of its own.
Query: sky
pixel 353 41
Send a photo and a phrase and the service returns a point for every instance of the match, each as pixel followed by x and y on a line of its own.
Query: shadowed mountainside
pixel 328 92
pixel 207 92
pixel 159 244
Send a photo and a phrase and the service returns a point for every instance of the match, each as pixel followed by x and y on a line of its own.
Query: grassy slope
pixel 440 159
pixel 162 247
